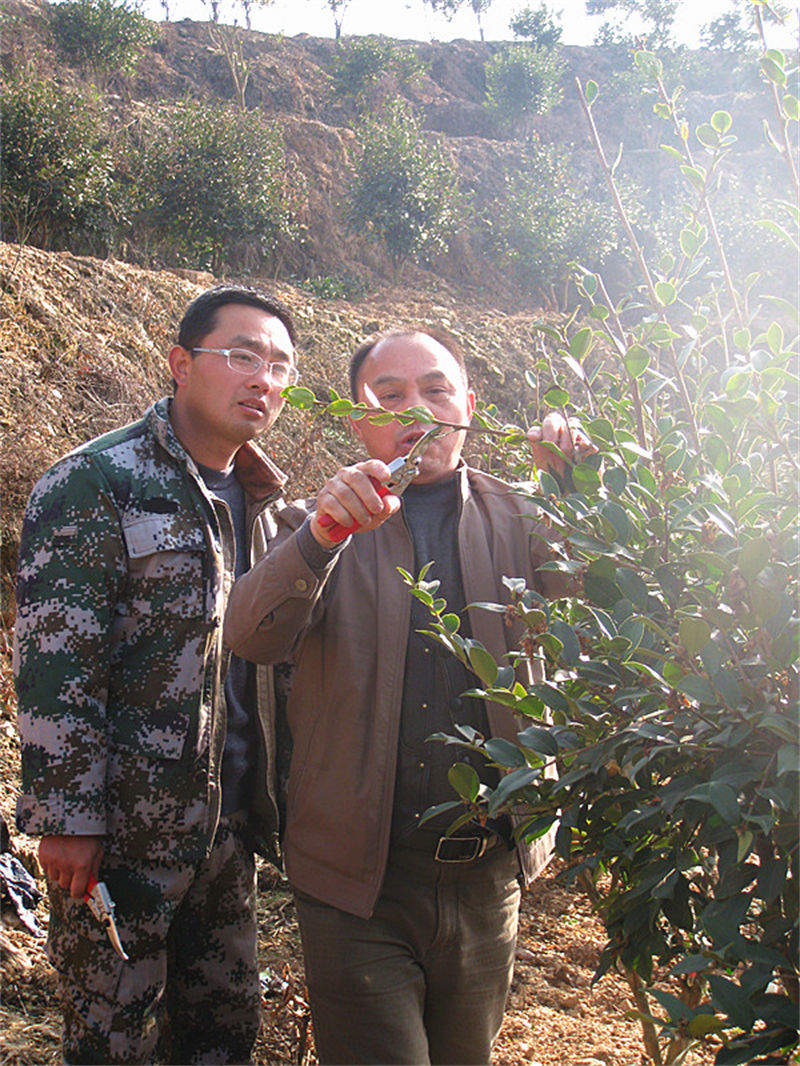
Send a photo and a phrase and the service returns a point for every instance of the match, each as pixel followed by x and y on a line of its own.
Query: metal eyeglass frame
pixel 291 372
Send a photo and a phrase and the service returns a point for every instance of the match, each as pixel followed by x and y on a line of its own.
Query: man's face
pixel 218 408
pixel 414 371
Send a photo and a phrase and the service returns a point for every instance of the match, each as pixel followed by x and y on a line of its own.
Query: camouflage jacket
pixel 125 567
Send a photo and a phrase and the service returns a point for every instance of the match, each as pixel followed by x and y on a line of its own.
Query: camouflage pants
pixel 192 978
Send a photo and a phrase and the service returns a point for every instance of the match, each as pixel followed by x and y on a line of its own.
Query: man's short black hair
pixel 440 335
pixel 199 318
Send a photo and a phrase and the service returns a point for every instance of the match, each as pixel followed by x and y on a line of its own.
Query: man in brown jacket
pixel 408 935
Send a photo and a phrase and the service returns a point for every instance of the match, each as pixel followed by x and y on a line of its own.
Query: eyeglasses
pixel 280 374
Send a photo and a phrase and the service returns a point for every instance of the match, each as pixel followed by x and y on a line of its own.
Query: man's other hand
pixel 568 436
pixel 71 860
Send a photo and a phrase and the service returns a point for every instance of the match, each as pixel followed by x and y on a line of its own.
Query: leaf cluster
pixel 404 189
pixel 663 744
pixel 523 81
pixel 104 36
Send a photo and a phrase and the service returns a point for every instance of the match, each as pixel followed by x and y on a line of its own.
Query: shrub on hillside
pixel 544 220
pixel 104 36
pixel 521 82
pixel 210 187
pixel 55 167
pixel 404 189
pixel 539 26
pixel 361 61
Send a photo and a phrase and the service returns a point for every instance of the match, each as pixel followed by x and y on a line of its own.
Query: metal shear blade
pixel 406 467
pixel 99 901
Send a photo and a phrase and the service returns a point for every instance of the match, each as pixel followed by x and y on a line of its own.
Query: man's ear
pixel 179 360
pixel 470 402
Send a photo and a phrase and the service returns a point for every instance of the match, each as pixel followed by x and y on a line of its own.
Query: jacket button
pixel 301 584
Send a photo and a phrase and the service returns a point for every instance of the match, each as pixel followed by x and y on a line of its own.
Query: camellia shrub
pixel 523 81
pixel 663 744
pixel 211 185
pixel 56 167
pixel 669 717
pixel 404 189
pixel 105 36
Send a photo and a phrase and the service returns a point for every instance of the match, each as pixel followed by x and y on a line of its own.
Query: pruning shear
pixel 99 901
pixel 403 470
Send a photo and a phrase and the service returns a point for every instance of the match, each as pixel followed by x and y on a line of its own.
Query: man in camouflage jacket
pixel 129 548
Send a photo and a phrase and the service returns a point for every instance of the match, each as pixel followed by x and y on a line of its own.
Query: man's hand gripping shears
pixel 360 497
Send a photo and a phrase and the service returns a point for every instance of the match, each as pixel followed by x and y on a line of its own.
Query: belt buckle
pixel 445 844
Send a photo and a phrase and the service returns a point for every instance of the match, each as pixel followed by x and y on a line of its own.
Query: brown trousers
pixel 425 979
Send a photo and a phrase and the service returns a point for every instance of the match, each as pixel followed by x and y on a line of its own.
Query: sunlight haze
pixel 416 21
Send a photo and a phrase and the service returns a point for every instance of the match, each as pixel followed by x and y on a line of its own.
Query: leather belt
pixel 465 849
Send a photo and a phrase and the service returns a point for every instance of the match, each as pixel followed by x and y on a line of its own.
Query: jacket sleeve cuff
pixel 317 557
pixel 56 814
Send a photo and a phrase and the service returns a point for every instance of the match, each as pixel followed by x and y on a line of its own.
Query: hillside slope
pixel 84 343
pixel 290 80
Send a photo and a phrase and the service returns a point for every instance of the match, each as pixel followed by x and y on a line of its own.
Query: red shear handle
pixel 89 888
pixel 336 532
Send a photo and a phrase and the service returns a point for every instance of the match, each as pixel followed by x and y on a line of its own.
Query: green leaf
pixel 465 781
pixel 539 740
pixel 300 397
pixel 589 282
pixel 773 70
pixel 675 1008
pixel 585 478
pixel 637 360
pixel 570 646
pixel 697 688
pixel 721 121
pixel 504 753
pixel 632 587
pixel 695 176
pixel 753 557
pixel 731 998
pixel 666 292
pixel 724 801
pixel 618 518
pixel 788 759
pixel 581 343
pixel 590 92
pixel 746 839
pixel 704 1024
pixel 775 338
pixel 694 633
pixel 556 397
pixel 551 697
pixel 482 662
pixel 690 964
pixel 791 107
pixel 512 783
